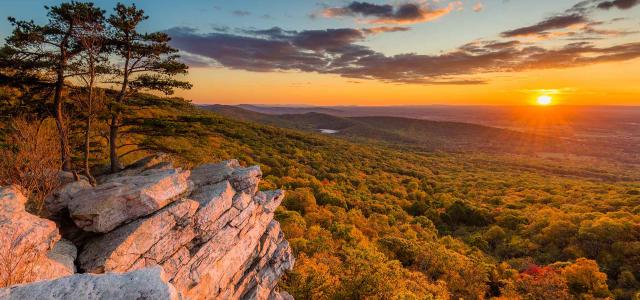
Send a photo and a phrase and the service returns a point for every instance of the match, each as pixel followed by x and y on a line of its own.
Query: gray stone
pixel 63 256
pixel 246 179
pixel 57 202
pixel 214 201
pixel 150 283
pixel 213 173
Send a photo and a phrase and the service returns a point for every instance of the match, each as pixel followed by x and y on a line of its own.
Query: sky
pixel 385 52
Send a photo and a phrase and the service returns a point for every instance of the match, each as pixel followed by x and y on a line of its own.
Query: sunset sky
pixel 396 52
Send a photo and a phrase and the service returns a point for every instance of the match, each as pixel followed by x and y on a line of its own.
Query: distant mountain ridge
pixel 423 134
pixel 559 131
pixel 280 110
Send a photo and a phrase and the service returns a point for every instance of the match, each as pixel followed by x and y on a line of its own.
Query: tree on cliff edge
pixel 49 51
pixel 94 62
pixel 146 62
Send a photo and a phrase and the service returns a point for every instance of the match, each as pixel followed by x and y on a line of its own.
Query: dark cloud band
pixel 405 13
pixel 335 51
pixel 620 4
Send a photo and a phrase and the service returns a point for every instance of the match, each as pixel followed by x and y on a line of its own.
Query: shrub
pixel 31 160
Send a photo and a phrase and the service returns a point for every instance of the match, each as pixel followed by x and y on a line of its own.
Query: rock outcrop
pixel 209 230
pixel 30 247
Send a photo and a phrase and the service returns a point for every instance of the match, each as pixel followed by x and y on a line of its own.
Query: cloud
pixel 553 23
pixel 273 32
pixel 576 23
pixel 241 13
pixel 334 51
pixel 326 40
pixel 620 4
pixel 478 7
pixel 591 31
pixel 197 61
pixel 405 13
pixel 382 29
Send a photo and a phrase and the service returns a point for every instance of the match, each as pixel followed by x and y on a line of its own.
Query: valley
pixel 545 139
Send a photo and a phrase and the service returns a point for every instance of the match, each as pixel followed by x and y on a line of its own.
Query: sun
pixel 544 100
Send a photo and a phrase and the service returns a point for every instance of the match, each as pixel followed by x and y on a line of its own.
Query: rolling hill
pixel 414 133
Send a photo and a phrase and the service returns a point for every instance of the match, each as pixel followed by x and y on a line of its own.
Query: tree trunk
pixel 87 134
pixel 113 145
pixel 113 132
pixel 59 116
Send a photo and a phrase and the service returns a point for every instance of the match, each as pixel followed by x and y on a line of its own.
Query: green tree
pixel 93 62
pixel 148 63
pixel 585 279
pixel 50 50
pixel 300 200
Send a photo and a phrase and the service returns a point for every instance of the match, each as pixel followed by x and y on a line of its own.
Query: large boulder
pixel 149 283
pixel 127 198
pixel 56 204
pixel 30 245
pixel 242 179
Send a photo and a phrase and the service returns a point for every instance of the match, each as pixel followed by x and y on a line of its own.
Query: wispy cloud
pixel 241 13
pixel 552 23
pixel 382 29
pixel 576 23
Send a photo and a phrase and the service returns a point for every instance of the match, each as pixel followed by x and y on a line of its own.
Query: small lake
pixel 328 131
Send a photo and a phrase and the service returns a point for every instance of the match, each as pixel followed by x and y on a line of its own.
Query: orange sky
pixel 296 52
pixel 318 53
pixel 601 84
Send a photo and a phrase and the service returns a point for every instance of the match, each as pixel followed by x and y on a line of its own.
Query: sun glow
pixel 544 100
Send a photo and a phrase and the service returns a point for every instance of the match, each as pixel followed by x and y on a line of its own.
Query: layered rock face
pixel 209 231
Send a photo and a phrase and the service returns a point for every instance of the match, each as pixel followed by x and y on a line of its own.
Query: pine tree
pixel 49 51
pixel 93 62
pixel 148 63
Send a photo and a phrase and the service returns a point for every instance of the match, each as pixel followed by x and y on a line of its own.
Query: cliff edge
pixel 151 231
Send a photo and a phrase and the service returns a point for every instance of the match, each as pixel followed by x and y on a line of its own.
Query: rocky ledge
pixel 151 231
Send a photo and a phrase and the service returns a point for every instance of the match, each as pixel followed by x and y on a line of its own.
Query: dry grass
pixel 17 260
pixel 31 160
